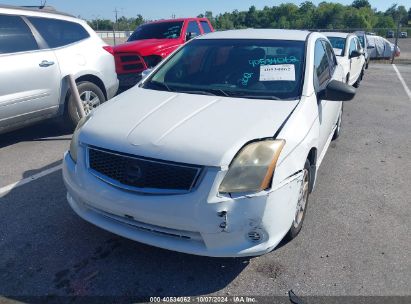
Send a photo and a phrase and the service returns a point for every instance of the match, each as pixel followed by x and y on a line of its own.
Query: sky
pixel 159 9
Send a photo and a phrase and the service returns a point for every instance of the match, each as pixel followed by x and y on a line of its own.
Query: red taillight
pixel 109 49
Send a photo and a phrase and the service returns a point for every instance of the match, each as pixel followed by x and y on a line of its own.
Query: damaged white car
pixel 216 151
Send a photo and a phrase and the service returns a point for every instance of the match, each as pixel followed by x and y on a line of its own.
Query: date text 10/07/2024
pixel 205 299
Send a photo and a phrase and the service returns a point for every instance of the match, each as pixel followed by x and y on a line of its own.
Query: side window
pixel 59 32
pixel 206 27
pixel 321 66
pixel 193 28
pixel 331 55
pixel 15 35
pixel 359 47
pixel 353 46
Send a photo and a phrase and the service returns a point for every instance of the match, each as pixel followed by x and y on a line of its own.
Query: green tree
pixel 361 3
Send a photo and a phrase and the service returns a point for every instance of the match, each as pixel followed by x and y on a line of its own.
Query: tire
pixel 92 97
pixel 338 129
pixel 301 204
pixel 357 83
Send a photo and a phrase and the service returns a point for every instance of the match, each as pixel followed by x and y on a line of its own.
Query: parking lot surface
pixel 355 239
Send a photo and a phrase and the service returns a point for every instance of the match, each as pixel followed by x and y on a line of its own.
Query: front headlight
pixel 253 167
pixel 74 138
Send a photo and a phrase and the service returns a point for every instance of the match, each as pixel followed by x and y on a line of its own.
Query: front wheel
pixel 301 204
pixel 91 97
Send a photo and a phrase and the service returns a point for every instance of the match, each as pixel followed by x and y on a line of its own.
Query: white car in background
pixel 38 49
pixel 350 55
pixel 216 151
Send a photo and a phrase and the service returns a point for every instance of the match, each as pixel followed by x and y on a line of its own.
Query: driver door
pixel 328 111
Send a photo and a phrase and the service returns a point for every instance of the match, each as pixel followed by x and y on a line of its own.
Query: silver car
pixel 39 48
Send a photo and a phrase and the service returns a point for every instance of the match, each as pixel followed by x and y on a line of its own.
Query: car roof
pixel 337 34
pixel 272 34
pixel 176 20
pixel 46 11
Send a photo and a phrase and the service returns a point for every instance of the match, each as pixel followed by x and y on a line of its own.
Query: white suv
pixel 39 48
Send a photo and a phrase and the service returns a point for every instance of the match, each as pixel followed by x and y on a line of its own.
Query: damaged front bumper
pixel 199 222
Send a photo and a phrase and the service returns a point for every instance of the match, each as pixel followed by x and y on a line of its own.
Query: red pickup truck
pixel 152 42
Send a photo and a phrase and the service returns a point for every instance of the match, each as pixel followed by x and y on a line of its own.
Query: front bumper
pixel 189 223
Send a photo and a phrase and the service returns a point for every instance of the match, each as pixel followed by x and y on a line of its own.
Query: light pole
pixel 96 18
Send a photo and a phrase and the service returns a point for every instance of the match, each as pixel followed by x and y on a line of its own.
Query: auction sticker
pixel 280 72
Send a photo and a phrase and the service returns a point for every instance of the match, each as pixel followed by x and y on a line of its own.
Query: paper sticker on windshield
pixel 280 72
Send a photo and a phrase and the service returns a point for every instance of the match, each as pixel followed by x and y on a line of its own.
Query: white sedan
pixel 216 151
pixel 350 55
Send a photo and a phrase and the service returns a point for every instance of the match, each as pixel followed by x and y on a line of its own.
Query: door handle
pixel 46 63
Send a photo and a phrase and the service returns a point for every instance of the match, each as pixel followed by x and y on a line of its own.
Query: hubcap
pixel 302 200
pixel 90 101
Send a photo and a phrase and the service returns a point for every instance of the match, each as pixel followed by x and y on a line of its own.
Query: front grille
pixel 129 58
pixel 129 63
pixel 132 67
pixel 142 174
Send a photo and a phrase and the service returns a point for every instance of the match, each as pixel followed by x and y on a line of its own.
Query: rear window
pixel 59 33
pixel 338 45
pixel 15 35
pixel 206 27
pixel 160 30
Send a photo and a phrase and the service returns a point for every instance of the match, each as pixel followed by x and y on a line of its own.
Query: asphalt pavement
pixel 355 240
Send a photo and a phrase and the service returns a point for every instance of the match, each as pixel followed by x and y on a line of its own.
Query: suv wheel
pixel 91 97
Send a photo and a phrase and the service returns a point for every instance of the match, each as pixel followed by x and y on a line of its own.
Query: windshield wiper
pixel 160 84
pixel 211 92
pixel 272 97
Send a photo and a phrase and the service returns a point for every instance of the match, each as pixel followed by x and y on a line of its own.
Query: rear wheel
pixel 301 204
pixel 91 97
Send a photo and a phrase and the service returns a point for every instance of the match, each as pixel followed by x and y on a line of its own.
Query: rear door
pixel 29 75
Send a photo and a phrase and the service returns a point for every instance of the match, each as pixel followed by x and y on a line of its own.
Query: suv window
pixel 157 30
pixel 321 65
pixel 193 28
pixel 15 35
pixel 59 32
pixel 206 27
pixel 331 56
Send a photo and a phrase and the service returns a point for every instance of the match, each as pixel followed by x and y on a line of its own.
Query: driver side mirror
pixel 190 35
pixel 337 91
pixel 355 53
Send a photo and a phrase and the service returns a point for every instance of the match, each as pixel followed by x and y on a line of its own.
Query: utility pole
pixel 396 40
pixel 115 25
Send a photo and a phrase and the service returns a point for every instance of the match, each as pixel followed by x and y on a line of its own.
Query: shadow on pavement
pixel 45 131
pixel 49 254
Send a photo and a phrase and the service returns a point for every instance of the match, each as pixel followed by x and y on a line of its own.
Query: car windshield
pixel 161 30
pixel 338 45
pixel 247 68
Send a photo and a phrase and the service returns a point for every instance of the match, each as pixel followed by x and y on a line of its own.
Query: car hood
pixel 187 128
pixel 146 47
